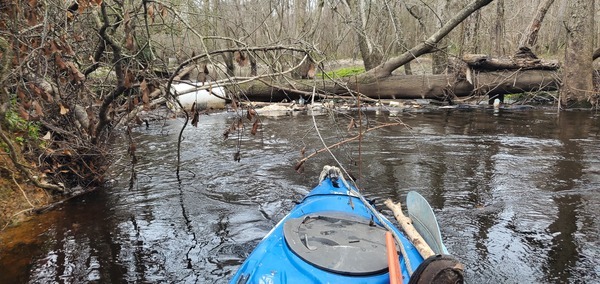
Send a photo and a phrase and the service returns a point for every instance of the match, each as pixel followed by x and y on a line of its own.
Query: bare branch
pixel 392 64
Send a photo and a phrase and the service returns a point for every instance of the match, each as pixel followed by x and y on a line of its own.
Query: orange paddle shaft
pixel 392 256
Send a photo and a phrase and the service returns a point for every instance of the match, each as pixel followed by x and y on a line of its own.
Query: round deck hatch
pixel 338 242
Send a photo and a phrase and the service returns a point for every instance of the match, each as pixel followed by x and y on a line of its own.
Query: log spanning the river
pixel 486 62
pixel 440 87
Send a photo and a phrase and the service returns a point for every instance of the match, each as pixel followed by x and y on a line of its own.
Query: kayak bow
pixel 331 236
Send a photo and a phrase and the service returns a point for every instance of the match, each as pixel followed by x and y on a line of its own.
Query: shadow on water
pixel 515 194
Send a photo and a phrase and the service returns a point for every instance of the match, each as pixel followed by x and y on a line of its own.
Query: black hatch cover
pixel 338 242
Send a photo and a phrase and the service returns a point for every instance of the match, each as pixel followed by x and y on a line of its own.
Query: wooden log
pixel 415 238
pixel 441 87
pixel 485 62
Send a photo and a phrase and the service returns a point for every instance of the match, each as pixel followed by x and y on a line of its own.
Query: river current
pixel 516 194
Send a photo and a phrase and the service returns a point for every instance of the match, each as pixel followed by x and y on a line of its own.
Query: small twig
pixel 12 174
pixel 15 215
pixel 411 232
pixel 23 168
pixel 328 148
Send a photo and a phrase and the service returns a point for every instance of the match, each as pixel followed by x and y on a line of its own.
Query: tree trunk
pixel 556 40
pixel 499 33
pixel 577 88
pixel 370 55
pixel 441 87
pixel 400 41
pixel 228 60
pixel 530 37
pixel 485 62
pixel 439 58
pixel 470 34
pixel 385 69
pixel 5 59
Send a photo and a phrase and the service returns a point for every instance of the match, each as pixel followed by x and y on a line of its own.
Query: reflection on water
pixel 515 192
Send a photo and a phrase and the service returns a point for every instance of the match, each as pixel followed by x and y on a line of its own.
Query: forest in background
pixel 72 72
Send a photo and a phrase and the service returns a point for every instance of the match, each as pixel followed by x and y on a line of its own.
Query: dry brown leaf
pixel 32 19
pixel 36 43
pixel 250 114
pixel 240 58
pixel 128 80
pixel 255 127
pixel 79 37
pixel 23 113
pixel 20 94
pixel 36 90
pixel 60 63
pixel 201 78
pixel 54 47
pixel 48 97
pixel 226 133
pixel 144 86
pixel 26 104
pixel 312 71
pixel 47 51
pixel 151 11
pixel 195 118
pixel 132 148
pixel 38 108
pixel 234 105
pixel 76 75
pixel 352 124
pixel 83 4
pixel 146 102
pixel 126 19
pixel 23 48
pixel 48 136
pixel 63 110
pixel 163 11
pixel 145 93
pixel 129 43
pixel 66 47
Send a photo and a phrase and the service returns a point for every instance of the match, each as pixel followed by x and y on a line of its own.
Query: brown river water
pixel 516 193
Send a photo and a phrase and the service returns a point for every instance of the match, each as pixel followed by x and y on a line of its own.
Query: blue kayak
pixel 331 236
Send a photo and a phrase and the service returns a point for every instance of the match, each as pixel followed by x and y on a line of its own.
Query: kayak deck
pixel 330 237
pixel 339 243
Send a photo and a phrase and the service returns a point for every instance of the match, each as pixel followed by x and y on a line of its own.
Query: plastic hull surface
pixel 272 261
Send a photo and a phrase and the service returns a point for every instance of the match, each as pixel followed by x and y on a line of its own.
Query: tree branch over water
pixel 346 141
pixel 385 69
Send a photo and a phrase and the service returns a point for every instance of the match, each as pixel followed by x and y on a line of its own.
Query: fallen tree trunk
pixel 385 69
pixel 441 87
pixel 486 62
